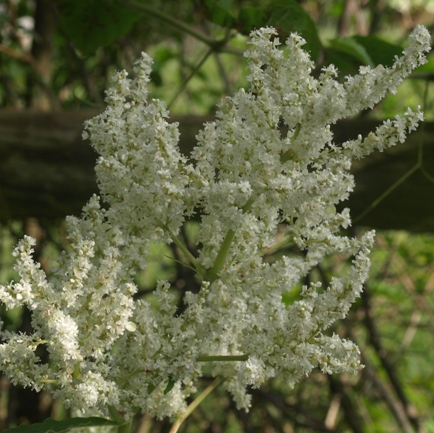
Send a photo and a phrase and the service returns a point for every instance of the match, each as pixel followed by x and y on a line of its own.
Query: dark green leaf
pixel 51 425
pixel 289 17
pixel 218 11
pixel 161 57
pixel 427 67
pixel 344 62
pixel 225 4
pixel 353 48
pixel 291 296
pixel 250 19
pixel 91 24
pixel 381 52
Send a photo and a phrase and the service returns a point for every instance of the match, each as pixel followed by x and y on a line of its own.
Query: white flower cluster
pixel 245 179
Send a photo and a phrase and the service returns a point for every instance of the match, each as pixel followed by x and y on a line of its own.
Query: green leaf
pixel 91 24
pixel 51 425
pixel 381 52
pixel 291 296
pixel 289 17
pixel 169 386
pixel 427 67
pixel 161 57
pixel 225 4
pixel 353 48
pixel 251 18
pixel 218 11
pixel 343 61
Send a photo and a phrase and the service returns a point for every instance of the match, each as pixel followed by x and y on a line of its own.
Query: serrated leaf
pixel 51 425
pixel 353 48
pixel 289 17
pixel 91 24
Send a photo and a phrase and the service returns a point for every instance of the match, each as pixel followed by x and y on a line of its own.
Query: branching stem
pixel 198 267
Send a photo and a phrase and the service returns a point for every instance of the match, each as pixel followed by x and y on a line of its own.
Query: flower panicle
pixel 248 183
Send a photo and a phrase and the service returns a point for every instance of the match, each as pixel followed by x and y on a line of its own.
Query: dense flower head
pixel 249 183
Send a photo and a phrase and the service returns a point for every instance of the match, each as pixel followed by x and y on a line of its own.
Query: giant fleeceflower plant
pixel 245 180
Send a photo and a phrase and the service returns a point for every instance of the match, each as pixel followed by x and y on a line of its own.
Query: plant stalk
pixel 221 256
pixel 224 249
pixel 124 426
pixel 221 358
pixel 197 401
pixel 198 267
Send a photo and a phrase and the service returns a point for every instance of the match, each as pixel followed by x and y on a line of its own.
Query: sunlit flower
pixel 248 179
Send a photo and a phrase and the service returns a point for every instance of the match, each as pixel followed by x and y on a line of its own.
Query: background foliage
pixel 60 54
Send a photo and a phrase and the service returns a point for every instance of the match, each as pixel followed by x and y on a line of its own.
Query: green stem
pixel 224 249
pixel 221 358
pixel 124 426
pixel 77 373
pixel 197 401
pixel 427 175
pixel 221 256
pixel 248 205
pixel 277 246
pixel 192 74
pixel 199 268
pixel 116 416
pixel 50 381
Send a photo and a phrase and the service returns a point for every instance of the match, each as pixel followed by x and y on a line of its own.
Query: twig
pixel 192 74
